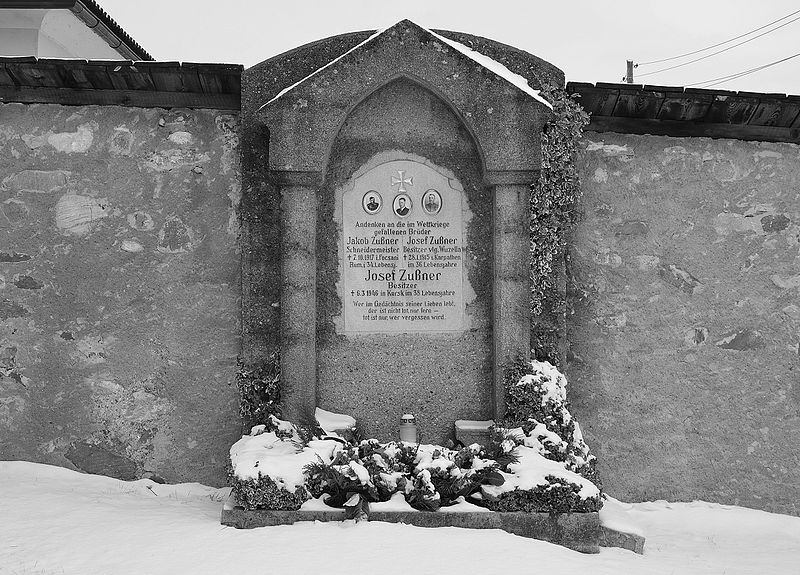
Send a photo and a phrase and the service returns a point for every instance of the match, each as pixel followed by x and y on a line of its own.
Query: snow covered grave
pixel 529 480
pixel 404 168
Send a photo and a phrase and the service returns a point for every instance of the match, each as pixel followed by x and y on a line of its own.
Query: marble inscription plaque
pixel 402 250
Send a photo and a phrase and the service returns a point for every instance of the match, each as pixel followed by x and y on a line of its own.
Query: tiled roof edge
pixel 101 15
pixel 92 15
pixel 123 82
pixel 689 112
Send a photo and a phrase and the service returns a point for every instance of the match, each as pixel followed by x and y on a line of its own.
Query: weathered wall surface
pixel 685 323
pixel 119 279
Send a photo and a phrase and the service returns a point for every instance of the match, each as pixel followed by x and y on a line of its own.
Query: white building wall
pixel 50 34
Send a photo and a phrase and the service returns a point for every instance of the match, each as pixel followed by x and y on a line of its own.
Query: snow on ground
pixel 57 521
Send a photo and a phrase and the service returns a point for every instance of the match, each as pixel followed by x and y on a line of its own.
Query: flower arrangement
pixel 537 461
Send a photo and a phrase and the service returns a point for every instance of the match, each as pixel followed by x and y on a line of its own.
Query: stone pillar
pixel 298 292
pixel 512 316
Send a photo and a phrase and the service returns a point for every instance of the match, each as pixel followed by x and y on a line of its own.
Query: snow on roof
pixel 481 59
pixel 318 70
pixel 496 67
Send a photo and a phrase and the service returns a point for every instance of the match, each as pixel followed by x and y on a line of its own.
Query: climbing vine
pixel 553 202
pixel 554 197
pixel 259 390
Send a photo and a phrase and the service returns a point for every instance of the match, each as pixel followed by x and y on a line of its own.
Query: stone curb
pixel 577 531
pixel 613 538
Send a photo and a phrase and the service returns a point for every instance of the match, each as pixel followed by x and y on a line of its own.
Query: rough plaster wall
pixel 119 289
pixel 685 325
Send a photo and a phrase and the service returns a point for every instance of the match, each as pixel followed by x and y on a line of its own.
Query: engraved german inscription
pixel 402 267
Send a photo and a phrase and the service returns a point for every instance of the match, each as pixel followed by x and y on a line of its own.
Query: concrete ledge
pixel 618 528
pixel 613 538
pixel 577 531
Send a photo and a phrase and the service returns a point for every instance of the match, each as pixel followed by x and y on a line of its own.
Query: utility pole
pixel 629 75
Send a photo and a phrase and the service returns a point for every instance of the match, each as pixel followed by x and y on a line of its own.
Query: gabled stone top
pixel 497 105
pixel 495 67
pixel 479 58
pixel 265 80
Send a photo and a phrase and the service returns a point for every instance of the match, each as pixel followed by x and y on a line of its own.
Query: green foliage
pixel 502 447
pixel 259 390
pixel 308 432
pixel 529 403
pixel 525 402
pixel 264 493
pixel 431 477
pixel 395 467
pixel 559 496
pixel 429 480
pixel 423 495
pixel 589 471
pixel 335 480
pixel 554 197
pixel 339 480
pixel 463 479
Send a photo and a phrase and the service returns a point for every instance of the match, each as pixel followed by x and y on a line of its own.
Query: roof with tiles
pixel 676 111
pixel 123 83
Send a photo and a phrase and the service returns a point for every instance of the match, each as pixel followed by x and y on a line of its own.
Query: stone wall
pixel 120 307
pixel 684 326
pixel 119 275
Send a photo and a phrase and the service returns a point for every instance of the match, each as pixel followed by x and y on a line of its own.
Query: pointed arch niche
pixel 404 124
pixel 403 96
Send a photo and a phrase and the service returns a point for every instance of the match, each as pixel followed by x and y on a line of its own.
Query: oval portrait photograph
pixel 372 202
pixel 432 202
pixel 402 205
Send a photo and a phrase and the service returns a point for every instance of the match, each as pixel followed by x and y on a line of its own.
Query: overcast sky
pixel 589 40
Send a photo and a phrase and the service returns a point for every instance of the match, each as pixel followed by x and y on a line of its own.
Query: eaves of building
pixel 95 18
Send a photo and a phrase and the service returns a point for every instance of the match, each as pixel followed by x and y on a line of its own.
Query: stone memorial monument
pixel 402 267
pixel 389 188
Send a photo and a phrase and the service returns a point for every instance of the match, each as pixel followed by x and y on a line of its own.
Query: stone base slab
pixel 613 538
pixel 578 531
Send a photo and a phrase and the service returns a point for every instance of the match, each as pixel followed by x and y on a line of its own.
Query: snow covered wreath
pixel 540 464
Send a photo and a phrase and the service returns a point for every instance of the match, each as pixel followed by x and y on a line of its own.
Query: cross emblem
pixel 402 181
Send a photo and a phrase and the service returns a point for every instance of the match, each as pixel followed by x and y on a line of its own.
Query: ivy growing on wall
pixel 259 390
pixel 553 202
pixel 554 197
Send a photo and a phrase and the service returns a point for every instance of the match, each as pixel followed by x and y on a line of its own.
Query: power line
pixel 719 44
pixel 723 79
pixel 718 51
